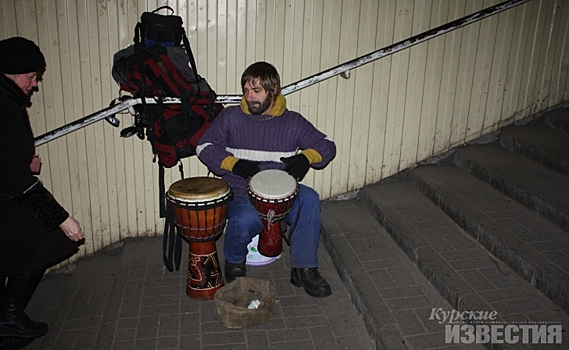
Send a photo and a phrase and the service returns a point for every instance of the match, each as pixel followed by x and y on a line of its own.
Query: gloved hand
pixel 245 168
pixel 297 166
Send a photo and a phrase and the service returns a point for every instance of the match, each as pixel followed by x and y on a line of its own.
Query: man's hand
pixel 297 166
pixel 245 168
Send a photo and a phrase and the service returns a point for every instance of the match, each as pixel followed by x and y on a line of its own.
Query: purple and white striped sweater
pixel 261 138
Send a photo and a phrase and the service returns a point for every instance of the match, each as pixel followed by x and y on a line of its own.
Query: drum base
pixel 271 239
pixel 204 272
pixel 254 258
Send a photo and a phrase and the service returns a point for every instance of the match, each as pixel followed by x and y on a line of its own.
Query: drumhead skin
pixel 198 189
pixel 273 184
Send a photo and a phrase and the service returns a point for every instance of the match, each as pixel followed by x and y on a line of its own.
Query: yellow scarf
pixel 278 108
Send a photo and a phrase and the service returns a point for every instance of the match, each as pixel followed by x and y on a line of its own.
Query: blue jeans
pixel 244 223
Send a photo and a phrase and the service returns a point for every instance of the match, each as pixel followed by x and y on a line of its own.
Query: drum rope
pixel 271 218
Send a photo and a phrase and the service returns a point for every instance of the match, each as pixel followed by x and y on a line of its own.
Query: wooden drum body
pixel 272 193
pixel 200 209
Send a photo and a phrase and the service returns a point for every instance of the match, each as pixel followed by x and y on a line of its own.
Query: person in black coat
pixel 35 231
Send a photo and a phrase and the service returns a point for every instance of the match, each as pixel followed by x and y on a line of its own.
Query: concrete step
pixel 389 292
pixel 529 244
pixel 537 141
pixel 540 189
pixel 460 268
pixel 558 118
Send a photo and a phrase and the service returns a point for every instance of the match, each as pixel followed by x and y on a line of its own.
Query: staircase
pixel 486 231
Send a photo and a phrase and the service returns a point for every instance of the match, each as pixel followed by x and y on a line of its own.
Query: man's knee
pixel 248 222
pixel 245 225
pixel 309 199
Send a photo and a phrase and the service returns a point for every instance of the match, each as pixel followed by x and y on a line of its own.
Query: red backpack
pixel 158 66
pixel 172 129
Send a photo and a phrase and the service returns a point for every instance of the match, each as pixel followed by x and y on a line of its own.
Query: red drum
pixel 272 193
pixel 200 209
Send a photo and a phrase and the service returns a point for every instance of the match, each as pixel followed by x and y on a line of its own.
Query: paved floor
pixel 124 298
pixel 399 256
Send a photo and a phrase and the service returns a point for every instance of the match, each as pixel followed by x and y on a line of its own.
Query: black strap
pixel 171 242
pixel 164 7
pixel 178 249
pixel 139 57
pixel 181 168
pixel 162 191
pixel 191 58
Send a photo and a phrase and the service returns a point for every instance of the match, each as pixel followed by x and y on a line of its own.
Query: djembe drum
pixel 272 193
pixel 200 210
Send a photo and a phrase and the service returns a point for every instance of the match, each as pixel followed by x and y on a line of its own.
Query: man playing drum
pixel 262 134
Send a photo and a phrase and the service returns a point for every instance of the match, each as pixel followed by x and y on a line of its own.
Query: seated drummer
pixel 258 135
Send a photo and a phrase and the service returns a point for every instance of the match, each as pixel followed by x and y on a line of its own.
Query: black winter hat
pixel 19 56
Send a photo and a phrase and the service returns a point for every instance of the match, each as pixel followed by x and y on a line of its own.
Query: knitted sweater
pixel 261 138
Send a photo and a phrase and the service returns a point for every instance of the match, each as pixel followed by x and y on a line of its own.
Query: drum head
pixel 273 184
pixel 198 189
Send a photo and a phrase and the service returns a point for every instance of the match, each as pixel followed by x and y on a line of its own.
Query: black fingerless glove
pixel 39 202
pixel 297 166
pixel 245 168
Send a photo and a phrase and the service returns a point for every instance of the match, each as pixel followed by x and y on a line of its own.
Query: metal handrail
pixel 109 112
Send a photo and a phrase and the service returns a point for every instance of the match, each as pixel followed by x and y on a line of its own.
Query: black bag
pixel 158 29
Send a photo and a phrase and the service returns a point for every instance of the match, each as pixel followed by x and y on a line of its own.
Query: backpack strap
pixel 171 242
pixel 139 59
pixel 191 58
pixel 163 203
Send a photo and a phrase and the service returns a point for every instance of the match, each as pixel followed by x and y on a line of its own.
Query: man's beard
pixel 257 108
